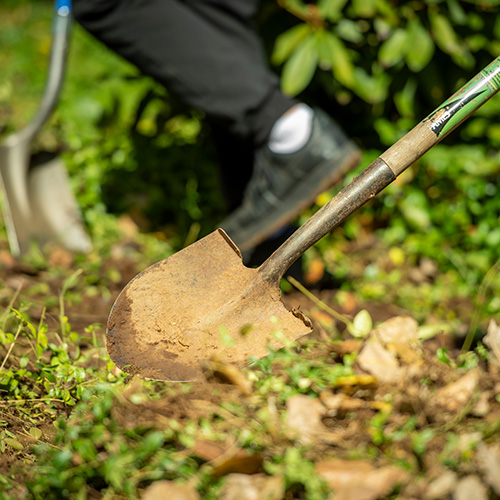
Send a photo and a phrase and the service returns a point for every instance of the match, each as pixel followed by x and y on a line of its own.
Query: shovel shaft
pixel 385 169
pixel 61 26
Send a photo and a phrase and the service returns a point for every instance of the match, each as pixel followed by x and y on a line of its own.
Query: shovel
pixel 178 313
pixel 37 201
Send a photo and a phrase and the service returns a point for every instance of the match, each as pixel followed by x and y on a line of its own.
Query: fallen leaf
pixel 127 226
pixel 374 358
pixel 59 257
pixel 428 267
pixel 304 416
pixel 347 346
pixel 468 441
pixel 442 486
pixel 227 459
pixel 360 380
pixel 323 318
pixel 397 329
pixel 228 373
pixel 453 397
pixel 489 462
pixel 315 272
pixel 358 479
pixel 332 401
pixel 14 443
pixel 400 335
pixel 256 487
pixel 161 490
pixel 470 487
pixel 492 338
pixel 482 407
pixel 349 301
pixel 6 259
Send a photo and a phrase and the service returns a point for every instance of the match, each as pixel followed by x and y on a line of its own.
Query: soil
pixel 427 391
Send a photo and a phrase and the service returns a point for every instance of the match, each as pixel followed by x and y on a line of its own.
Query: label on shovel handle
pixel 464 102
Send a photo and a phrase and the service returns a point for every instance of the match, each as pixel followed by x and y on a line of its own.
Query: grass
pixel 72 425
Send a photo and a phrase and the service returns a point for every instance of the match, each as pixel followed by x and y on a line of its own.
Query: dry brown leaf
pixel 341 402
pixel 161 490
pixel 127 226
pixel 492 339
pixel 228 373
pixel 489 463
pixel 397 329
pixel 453 397
pixel 323 318
pixel 304 416
pixel 358 479
pixel 468 441
pixel 256 487
pixel 482 407
pixel 315 272
pixel 400 335
pixel 470 488
pixel 374 358
pixel 227 459
pixel 6 259
pixel 332 401
pixel 442 486
pixel 347 346
pixel 60 257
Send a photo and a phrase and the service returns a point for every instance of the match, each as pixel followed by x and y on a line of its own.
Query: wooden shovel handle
pixel 385 169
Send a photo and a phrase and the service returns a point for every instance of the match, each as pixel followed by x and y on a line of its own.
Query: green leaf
pixel 372 89
pixel 364 8
pixel 420 46
pixel 42 339
pixel 333 52
pixel 393 49
pixel 331 9
pixel 349 30
pixel 35 433
pixel 299 69
pixel 362 325
pixel 287 42
pixel 70 281
pixel 14 443
pixel 444 34
pixel 416 210
pixel 405 99
pixel 457 13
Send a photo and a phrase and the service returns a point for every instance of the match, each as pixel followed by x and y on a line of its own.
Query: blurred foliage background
pixel 377 66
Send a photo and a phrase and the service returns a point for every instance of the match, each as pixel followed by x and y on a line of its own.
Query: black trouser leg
pixel 204 51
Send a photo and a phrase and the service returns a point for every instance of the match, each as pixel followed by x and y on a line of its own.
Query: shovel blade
pixel 14 160
pixel 37 201
pixel 200 302
pixel 56 214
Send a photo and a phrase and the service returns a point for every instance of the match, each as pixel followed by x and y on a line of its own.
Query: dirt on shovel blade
pixel 198 303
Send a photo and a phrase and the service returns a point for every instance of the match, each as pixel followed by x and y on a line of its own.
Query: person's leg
pixel 204 51
pixel 207 52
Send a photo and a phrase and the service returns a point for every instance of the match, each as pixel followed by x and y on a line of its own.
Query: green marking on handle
pixel 464 102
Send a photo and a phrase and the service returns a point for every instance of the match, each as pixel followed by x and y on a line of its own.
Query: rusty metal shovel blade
pixel 202 301
pixel 199 302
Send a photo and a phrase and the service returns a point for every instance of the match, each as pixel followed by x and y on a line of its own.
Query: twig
pixel 481 294
pixel 12 302
pixel 19 329
pixel 319 302
pixel 307 13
